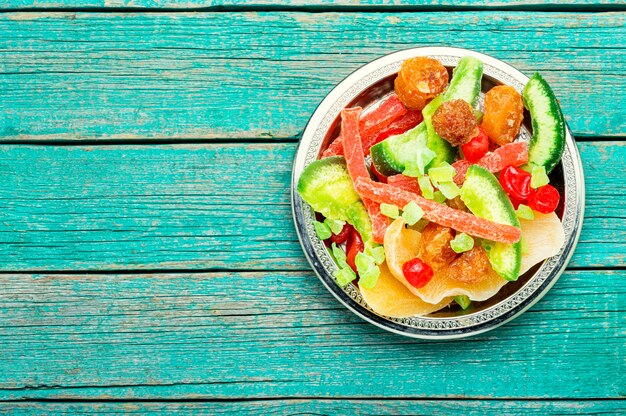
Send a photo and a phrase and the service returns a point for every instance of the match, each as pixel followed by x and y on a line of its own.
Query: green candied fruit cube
pixel 423 156
pixel 442 173
pixel 539 177
pixel 389 210
pixel 411 170
pixel 368 270
pixel 412 213
pixel 340 256
pixel 439 197
pixel 335 225
pixel 369 277
pixel 524 212
pixel 363 262
pixel 425 186
pixel 462 243
pixel 344 276
pixel 463 301
pixel 449 189
pixel 322 230
pixel 377 253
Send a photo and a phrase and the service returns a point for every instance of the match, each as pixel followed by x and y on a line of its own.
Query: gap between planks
pixel 317 398
pixel 313 9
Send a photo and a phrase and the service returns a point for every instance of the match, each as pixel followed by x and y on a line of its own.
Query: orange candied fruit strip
pixel 355 160
pixel 371 124
pixel 439 213
pixel 405 182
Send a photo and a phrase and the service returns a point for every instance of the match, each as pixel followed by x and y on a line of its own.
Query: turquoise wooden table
pixel 149 260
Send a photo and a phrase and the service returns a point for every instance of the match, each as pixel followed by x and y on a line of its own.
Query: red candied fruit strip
pixel 515 154
pixel 352 146
pixel 355 160
pixel 371 124
pixel 439 213
pixel 405 123
pixel 379 221
pixel 383 115
pixel 405 182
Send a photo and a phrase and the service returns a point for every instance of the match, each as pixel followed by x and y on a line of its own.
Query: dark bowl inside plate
pixel 368 86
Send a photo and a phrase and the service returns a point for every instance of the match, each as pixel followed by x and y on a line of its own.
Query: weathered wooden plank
pixel 327 407
pixel 259 75
pixel 194 206
pixel 281 334
pixel 205 206
pixel 326 4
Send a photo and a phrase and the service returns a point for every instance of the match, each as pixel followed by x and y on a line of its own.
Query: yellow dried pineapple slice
pixel 543 238
pixel 390 298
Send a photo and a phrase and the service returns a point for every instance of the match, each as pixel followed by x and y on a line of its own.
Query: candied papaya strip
pixel 401 125
pixel 355 161
pixel 379 221
pixel 515 154
pixel 352 146
pixel 371 124
pixel 439 213
pixel 405 182
pixel 382 116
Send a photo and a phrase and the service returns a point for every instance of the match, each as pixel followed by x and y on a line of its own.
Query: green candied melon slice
pixel 484 196
pixel 326 185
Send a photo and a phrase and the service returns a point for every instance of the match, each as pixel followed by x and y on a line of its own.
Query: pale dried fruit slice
pixel 543 238
pixel 402 244
pixel 390 298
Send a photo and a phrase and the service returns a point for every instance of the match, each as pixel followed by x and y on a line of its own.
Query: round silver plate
pixel 366 87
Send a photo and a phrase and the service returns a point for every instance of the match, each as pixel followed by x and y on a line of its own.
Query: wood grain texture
pixel 327 4
pixel 206 206
pixel 327 407
pixel 281 334
pixel 261 75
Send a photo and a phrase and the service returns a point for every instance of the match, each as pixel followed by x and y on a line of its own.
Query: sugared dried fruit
pixel 455 122
pixel 471 267
pixel 435 249
pixel 419 80
pixel 504 112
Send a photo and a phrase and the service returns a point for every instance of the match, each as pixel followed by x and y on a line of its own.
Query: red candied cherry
pixel 544 199
pixel 516 183
pixel 417 273
pixel 477 147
